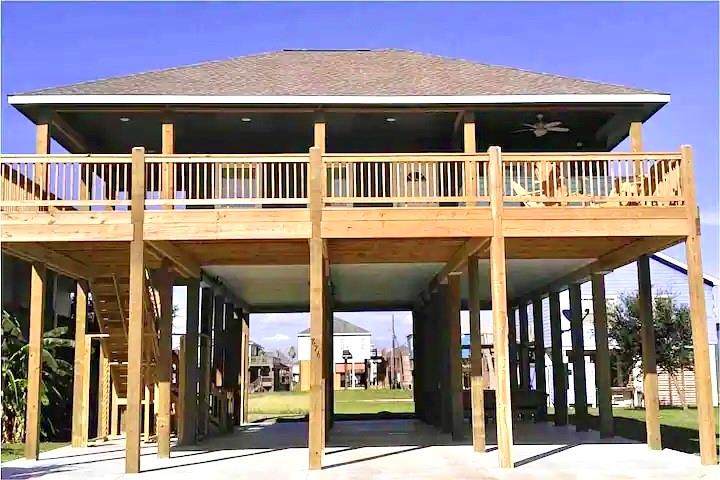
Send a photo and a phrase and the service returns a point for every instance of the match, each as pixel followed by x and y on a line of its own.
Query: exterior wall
pixel 358 344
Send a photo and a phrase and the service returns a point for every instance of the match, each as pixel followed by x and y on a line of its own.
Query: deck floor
pixel 387 449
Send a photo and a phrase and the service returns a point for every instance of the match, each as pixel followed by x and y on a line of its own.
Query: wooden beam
pixel 188 388
pixel 183 262
pixel 135 329
pixel 647 334
pixel 114 411
pixel 698 322
pixel 636 145
pixel 558 362
pixel 56 261
pixel 319 135
pixel 524 347
pixel 103 401
pixel 79 410
pixel 602 356
pixel 147 402
pixel 316 433
pixel 477 383
pixel 163 281
pixel 76 142
pixel 578 360
pixel 85 417
pixel 168 172
pixel 42 147
pixel 538 331
pixel 455 360
pixel 469 144
pixel 498 288
pixel 37 316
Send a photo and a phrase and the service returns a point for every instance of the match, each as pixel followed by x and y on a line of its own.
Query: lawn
pixel 276 404
pixel 675 417
pixel 11 451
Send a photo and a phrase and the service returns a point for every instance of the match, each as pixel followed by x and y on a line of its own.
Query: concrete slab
pixel 378 449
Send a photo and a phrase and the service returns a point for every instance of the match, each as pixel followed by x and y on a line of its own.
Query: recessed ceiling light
pixel 246 119
pixel 124 119
pixel 390 119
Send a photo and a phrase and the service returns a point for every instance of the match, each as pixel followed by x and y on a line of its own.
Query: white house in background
pixel 669 277
pixel 348 338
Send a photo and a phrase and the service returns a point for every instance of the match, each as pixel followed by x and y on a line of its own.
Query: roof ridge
pixel 518 69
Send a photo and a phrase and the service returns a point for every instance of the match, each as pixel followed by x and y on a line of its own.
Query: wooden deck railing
pixel 602 179
pixel 405 179
pixel 102 182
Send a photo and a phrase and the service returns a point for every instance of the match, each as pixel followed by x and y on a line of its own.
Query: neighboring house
pixel 269 371
pixel 395 371
pixel 669 277
pixel 348 339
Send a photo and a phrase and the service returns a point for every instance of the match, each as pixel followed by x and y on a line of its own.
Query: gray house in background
pixel 669 277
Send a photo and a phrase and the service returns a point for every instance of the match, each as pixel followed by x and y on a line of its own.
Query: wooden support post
pixel 524 347
pixel 244 366
pixel 498 286
pixel 558 362
pixel 103 416
pixel 698 322
pixel 316 434
pixel 147 401
pixel 513 348
pixel 42 147
pixel 188 388
pixel 470 165
pixel 168 172
pixel 578 360
pixel 636 145
pixel 477 383
pixel 163 369
pixel 206 313
pixel 79 411
pixel 329 361
pixel 455 358
pixel 37 316
pixel 602 356
pixel 647 335
pixel 114 411
pixel 539 334
pixel 135 329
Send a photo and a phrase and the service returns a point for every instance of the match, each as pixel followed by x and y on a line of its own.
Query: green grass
pixel 11 451
pixel 675 417
pixel 276 404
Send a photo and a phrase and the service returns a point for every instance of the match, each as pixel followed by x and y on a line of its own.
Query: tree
pixel 673 336
pixel 56 373
pixel 291 353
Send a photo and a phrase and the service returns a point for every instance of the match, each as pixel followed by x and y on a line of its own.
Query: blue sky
pixel 667 47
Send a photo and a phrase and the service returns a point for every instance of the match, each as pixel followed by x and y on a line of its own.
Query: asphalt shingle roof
pixel 385 72
pixel 340 327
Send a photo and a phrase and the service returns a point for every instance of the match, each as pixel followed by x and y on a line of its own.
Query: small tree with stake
pixel 673 336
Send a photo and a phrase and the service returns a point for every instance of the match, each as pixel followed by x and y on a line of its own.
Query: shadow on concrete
pixel 675 438
pixel 373 457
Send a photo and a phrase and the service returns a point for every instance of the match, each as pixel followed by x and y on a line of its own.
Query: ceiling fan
pixel 541 128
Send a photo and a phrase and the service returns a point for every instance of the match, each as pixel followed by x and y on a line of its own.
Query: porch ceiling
pixel 99 129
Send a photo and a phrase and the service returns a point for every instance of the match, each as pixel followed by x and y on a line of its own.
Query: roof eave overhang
pixel 20 100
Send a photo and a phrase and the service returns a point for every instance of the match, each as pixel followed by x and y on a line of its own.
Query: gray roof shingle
pixel 340 327
pixel 385 72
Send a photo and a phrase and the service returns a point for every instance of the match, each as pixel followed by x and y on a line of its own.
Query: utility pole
pixel 392 354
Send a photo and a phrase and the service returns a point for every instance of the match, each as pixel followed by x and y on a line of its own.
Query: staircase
pixel 111 300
